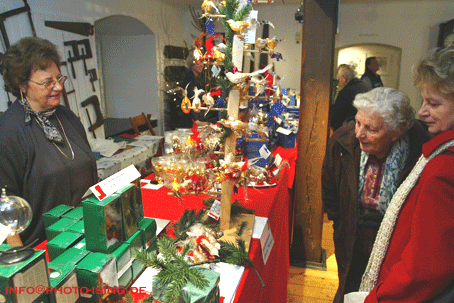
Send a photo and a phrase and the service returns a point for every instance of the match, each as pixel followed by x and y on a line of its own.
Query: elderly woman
pixel 45 155
pixel 366 160
pixel 412 258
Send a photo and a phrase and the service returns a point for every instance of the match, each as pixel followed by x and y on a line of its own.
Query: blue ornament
pixel 209 25
pixel 276 56
pixel 277 109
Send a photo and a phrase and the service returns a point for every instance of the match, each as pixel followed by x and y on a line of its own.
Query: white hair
pixel 346 70
pixel 390 104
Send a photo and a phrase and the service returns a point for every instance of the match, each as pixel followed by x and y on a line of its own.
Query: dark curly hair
pixel 24 57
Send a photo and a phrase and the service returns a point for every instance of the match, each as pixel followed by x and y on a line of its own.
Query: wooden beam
pixel 319 25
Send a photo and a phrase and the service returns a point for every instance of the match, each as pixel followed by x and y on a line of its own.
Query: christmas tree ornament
pixel 218 56
pixel 196 102
pixel 271 43
pixel 262 116
pixel 185 105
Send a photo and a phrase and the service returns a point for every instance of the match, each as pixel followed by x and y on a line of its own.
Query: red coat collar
pixel 430 146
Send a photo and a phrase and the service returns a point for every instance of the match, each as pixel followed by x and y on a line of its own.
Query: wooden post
pixel 230 143
pixel 319 25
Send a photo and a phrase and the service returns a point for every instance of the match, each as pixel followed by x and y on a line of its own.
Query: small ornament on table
pixel 176 144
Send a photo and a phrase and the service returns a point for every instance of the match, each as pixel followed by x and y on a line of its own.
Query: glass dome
pixel 15 213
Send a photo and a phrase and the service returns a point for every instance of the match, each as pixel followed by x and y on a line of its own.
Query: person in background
pixel 370 76
pixel 351 86
pixel 45 155
pixel 189 83
pixel 366 160
pixel 412 257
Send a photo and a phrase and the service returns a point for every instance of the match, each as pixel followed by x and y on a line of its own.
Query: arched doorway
pixel 388 58
pixel 128 67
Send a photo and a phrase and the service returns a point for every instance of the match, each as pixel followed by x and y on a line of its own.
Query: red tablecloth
pixel 272 203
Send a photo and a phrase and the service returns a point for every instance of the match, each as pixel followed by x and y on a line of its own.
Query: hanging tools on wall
pixel 93 77
pixel 99 118
pixel 85 53
pixel 74 57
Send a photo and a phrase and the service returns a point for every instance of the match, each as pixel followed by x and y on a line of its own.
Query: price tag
pixel 115 182
pixel 283 131
pixel 264 152
pixel 215 210
pixel 267 242
pixel 277 159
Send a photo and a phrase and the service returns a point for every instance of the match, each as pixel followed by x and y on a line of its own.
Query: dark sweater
pixel 343 106
pixel 33 168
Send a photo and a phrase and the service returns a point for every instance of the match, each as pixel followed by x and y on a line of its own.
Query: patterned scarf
pixel 50 131
pixel 370 277
pixel 394 165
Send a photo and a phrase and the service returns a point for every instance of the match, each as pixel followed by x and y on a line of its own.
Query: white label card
pixel 278 120
pixel 215 210
pixel 115 182
pixel 249 37
pixel 266 241
pixel 264 152
pixel 283 131
pixel 277 159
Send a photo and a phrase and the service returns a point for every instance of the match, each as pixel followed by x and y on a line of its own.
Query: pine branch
pixel 232 254
pixel 188 219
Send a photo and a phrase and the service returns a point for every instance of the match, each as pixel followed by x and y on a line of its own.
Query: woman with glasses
pixel 45 155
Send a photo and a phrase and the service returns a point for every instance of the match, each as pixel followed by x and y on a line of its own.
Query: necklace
pixel 64 133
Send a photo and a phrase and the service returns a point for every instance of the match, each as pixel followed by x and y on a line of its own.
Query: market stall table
pixel 269 202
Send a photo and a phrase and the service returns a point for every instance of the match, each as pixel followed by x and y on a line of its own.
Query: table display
pixel 272 203
pixel 120 152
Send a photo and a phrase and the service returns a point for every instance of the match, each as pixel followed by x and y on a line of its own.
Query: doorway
pixel 388 58
pixel 128 67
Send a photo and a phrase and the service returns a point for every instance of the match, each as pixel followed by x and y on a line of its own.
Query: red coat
pixel 420 260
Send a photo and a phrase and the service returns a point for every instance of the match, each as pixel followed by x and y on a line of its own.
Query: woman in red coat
pixel 413 255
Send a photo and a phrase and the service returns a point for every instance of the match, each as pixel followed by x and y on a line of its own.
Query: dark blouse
pixel 33 168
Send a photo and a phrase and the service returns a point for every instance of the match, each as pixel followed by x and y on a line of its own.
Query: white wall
pixel 287 29
pixel 410 25
pixel 165 20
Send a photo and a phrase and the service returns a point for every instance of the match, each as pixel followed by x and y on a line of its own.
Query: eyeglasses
pixel 49 84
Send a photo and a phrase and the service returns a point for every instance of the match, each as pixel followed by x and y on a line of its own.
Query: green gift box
pixel 44 298
pixel 78 227
pixel 95 272
pixel 63 279
pixel 53 215
pixel 136 241
pixel 148 226
pixel 71 256
pixel 76 213
pixel 58 227
pixel 123 256
pixel 82 245
pixel 126 278
pixel 61 243
pixel 137 199
pixel 15 279
pixel 129 211
pixel 190 293
pixel 103 223
pixel 137 268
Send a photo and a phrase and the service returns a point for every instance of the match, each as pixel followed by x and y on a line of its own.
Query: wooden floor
pixel 315 286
